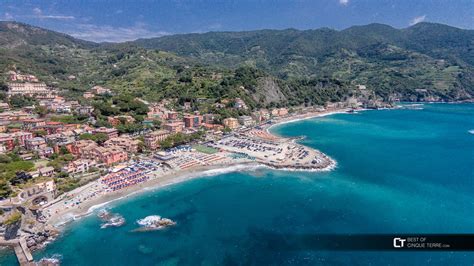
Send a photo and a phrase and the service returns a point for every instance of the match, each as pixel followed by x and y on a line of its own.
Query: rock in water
pixel 154 222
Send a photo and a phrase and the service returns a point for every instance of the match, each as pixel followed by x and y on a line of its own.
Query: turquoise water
pixel 401 171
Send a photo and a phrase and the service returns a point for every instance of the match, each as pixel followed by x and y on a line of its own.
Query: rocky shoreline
pixel 39 240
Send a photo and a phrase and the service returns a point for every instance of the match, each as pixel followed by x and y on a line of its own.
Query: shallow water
pixel 400 171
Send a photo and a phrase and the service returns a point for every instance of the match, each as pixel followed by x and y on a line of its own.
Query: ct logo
pixel 398 242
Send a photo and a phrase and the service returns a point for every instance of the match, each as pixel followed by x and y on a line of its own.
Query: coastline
pixel 58 220
pixel 301 117
pixel 172 178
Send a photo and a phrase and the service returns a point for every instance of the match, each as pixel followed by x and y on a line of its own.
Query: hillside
pixel 265 68
pixel 433 57
pixel 436 40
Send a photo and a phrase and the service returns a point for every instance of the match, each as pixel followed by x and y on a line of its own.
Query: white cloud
pixel 38 13
pixel 56 17
pixel 418 19
pixel 344 2
pixel 8 16
pixel 107 33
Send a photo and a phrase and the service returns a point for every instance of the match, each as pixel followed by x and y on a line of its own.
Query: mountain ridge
pixel 424 62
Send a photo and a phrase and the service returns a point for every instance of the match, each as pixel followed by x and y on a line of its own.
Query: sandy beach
pixel 59 213
pixel 299 117
pixel 64 215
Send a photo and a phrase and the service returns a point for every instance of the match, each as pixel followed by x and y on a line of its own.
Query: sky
pixel 123 20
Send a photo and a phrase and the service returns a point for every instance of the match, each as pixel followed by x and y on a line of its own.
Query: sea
pixel 400 171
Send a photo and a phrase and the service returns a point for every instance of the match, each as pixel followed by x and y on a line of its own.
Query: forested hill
pixel 426 56
pixel 426 62
pixel 435 40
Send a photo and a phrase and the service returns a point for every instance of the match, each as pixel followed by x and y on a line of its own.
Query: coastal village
pixel 59 158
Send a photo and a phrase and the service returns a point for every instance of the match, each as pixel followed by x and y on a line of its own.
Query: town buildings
pixel 240 104
pixel 35 144
pixel 231 123
pixel 261 115
pixel 246 121
pixel 187 106
pixel 15 116
pixel 79 166
pixel 53 127
pixel 110 132
pixel 192 121
pixel 120 119
pixel 46 171
pixel 39 146
pixel 13 76
pixel 85 110
pixel 110 155
pixel 174 127
pixel 152 140
pixel 3 126
pixel 88 149
pixel 88 95
pixel 127 144
pixel 157 111
pixel 172 115
pixel 20 137
pixel 279 112
pixel 99 90
pixel 3 149
pixel 7 142
pixel 209 118
pixel 37 90
pixel 32 123
pixel 4 107
pixel 59 105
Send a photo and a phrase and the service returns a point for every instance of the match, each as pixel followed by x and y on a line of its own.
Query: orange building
pixel 192 121
pixel 110 132
pixel 152 140
pixel 174 127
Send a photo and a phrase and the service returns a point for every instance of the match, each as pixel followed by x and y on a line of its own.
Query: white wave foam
pixel 189 176
pixel 55 259
pixel 305 118
pixel 149 220
pixel 179 179
pixel 471 131
pixel 330 167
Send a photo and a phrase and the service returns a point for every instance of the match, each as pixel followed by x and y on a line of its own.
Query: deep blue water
pixel 399 171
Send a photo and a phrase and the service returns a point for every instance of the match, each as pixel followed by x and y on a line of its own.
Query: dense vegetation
pixel 265 68
pixel 10 165
pixel 432 57
pixel 180 139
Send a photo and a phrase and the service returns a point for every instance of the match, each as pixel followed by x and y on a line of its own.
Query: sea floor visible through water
pixel 398 171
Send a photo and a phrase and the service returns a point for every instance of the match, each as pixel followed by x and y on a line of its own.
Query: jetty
pixel 22 252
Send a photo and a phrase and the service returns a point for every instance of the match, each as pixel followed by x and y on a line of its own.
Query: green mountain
pixel 265 68
pixel 427 56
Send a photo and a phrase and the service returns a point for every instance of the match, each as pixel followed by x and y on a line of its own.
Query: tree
pixel 5 189
pixel 41 110
pixel 63 150
pixel 5 158
pixel 156 123
pixel 20 101
pixel 41 133
pixel 99 137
